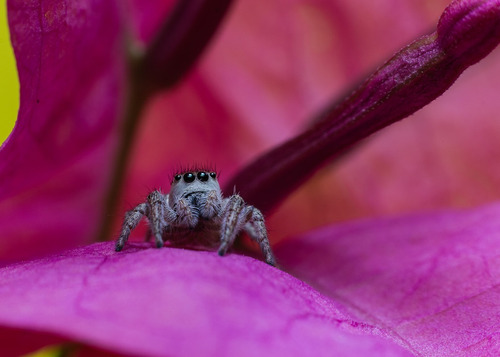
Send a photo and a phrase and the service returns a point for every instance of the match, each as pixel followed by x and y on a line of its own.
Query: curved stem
pixel 416 75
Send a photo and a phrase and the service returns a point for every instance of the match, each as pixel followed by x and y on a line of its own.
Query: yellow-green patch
pixel 9 89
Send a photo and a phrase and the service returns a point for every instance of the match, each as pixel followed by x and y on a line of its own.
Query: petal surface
pixel 432 281
pixel 147 301
pixel 54 168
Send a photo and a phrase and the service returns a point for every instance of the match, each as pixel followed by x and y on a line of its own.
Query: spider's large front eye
pixel 189 177
pixel 202 176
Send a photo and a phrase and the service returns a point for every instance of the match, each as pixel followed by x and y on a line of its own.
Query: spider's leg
pixel 131 220
pixel 231 222
pixel 156 203
pixel 256 229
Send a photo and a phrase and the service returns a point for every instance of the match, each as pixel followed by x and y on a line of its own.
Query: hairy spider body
pixel 194 213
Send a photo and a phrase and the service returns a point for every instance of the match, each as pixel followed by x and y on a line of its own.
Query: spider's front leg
pixel 256 229
pixel 160 215
pixel 130 221
pixel 238 216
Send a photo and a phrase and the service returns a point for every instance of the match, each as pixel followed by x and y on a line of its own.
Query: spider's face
pixel 193 182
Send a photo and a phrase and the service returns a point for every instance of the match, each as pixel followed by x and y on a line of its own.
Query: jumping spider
pixel 195 213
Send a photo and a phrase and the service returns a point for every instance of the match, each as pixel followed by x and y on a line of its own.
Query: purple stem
pixel 413 77
pixel 182 39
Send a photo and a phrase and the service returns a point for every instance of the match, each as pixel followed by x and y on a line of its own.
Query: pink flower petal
pixel 431 281
pixel 54 167
pixel 175 302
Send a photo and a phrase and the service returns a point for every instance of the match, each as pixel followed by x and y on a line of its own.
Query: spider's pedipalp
pixel 211 205
pixel 131 220
pixel 188 214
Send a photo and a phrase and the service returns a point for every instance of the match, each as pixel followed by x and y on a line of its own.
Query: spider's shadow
pixel 242 246
pixel 132 247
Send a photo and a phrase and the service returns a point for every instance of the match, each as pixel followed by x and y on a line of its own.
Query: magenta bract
pixel 431 281
pixel 55 166
pixel 422 285
pixel 177 302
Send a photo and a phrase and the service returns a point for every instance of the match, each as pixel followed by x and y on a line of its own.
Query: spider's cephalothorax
pixel 194 209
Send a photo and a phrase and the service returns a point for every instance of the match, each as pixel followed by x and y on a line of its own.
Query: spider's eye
pixel 177 177
pixel 202 176
pixel 189 177
pixel 213 175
